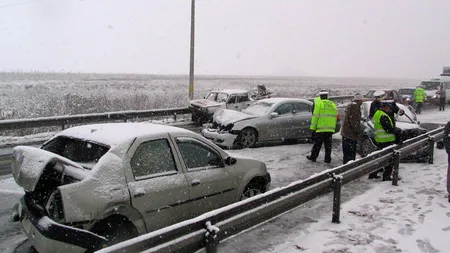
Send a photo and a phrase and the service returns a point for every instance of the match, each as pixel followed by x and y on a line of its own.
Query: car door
pixel 158 188
pixel 281 125
pixel 242 101
pixel 211 183
pixel 231 102
pixel 302 120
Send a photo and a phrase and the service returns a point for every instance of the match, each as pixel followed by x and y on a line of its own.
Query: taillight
pixel 54 207
pixel 338 117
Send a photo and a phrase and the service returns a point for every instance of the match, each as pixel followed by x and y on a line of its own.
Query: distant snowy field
pixel 30 95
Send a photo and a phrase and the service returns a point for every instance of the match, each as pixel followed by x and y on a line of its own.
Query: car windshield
pixel 83 152
pixel 406 91
pixel 431 85
pixel 217 97
pixel 259 108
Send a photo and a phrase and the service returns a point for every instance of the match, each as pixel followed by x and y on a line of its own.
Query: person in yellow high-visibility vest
pixel 385 135
pixel 323 126
pixel 419 97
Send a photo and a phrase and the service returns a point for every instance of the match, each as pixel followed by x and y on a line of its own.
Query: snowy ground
pixel 375 216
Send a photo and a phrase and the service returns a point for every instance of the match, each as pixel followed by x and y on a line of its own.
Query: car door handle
pixel 140 194
pixel 194 183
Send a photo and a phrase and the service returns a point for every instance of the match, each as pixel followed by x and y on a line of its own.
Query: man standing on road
pixel 385 135
pixel 323 125
pixel 447 149
pixel 375 105
pixel 351 128
pixel 442 98
pixel 419 97
pixel 317 99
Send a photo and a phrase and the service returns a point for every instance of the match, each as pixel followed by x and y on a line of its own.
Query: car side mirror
pixel 230 160
pixel 273 115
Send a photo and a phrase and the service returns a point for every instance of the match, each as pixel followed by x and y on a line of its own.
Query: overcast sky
pixel 369 38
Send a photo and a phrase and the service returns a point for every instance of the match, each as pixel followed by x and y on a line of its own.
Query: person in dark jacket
pixel 351 129
pixel 442 98
pixel 385 135
pixel 447 149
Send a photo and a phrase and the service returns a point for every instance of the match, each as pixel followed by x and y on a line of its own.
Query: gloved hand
pixel 313 135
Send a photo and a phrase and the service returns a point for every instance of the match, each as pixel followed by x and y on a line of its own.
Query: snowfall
pixel 375 216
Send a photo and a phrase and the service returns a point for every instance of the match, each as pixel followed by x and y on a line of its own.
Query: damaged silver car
pixel 95 185
pixel 266 120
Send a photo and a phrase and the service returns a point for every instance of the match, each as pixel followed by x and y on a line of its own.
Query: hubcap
pixel 250 193
pixel 248 138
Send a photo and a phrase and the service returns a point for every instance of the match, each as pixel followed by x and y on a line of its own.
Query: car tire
pixel 116 229
pixel 367 146
pixel 252 189
pixel 247 138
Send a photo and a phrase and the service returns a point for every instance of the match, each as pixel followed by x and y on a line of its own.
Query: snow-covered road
pixel 295 231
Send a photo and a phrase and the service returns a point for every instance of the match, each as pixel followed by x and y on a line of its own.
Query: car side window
pixel 231 99
pixel 153 157
pixel 284 109
pixel 302 107
pixel 197 154
pixel 242 98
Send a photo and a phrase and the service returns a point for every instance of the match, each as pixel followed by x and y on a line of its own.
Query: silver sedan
pixel 266 120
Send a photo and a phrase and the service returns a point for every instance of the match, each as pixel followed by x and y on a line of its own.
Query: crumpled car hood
pixel 225 116
pixel 205 103
pixel 30 162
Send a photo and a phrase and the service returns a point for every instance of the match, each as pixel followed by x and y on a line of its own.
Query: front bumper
pixel 223 139
pixel 48 236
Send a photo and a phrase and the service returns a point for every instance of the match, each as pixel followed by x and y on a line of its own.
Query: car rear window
pixel 84 152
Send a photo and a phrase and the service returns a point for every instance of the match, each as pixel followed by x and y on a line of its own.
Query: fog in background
pixel 351 38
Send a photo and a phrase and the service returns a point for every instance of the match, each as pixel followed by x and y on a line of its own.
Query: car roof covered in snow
pixel 279 100
pixel 113 134
pixel 231 91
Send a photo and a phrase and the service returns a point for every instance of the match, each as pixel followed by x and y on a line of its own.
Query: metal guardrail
pixel 198 233
pixel 62 121
pixel 89 118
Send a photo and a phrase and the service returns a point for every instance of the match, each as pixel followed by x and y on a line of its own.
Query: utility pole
pixel 191 63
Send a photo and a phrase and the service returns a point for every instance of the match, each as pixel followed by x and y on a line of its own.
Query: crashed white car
pixel 95 185
pixel 203 109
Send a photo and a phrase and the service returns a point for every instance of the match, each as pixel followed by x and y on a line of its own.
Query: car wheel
pixel 247 138
pixel 116 229
pixel 251 190
pixel 367 146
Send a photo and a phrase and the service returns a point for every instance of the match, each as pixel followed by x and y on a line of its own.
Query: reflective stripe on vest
pixel 324 117
pixel 381 135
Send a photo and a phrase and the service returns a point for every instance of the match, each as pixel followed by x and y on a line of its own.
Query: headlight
pixel 54 207
pixel 226 128
pixel 435 96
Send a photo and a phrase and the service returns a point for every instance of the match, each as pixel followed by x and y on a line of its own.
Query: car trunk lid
pixel 29 164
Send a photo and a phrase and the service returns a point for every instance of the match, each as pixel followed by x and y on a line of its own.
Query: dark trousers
pixel 349 149
pixel 320 138
pixel 418 107
pixel 387 171
pixel 442 103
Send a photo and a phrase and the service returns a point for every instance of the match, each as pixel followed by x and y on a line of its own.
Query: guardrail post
pixel 63 127
pixel 337 181
pixel 396 167
pixel 431 151
pixel 175 116
pixel 211 238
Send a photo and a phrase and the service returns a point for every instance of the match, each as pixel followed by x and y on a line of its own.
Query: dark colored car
pixel 390 95
pixel 407 123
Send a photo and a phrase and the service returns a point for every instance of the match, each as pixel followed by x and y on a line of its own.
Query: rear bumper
pixel 47 235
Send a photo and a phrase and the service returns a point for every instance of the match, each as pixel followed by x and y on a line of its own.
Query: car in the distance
pixel 95 185
pixel 232 99
pixel 407 123
pixel 389 95
pixel 407 95
pixel 266 120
